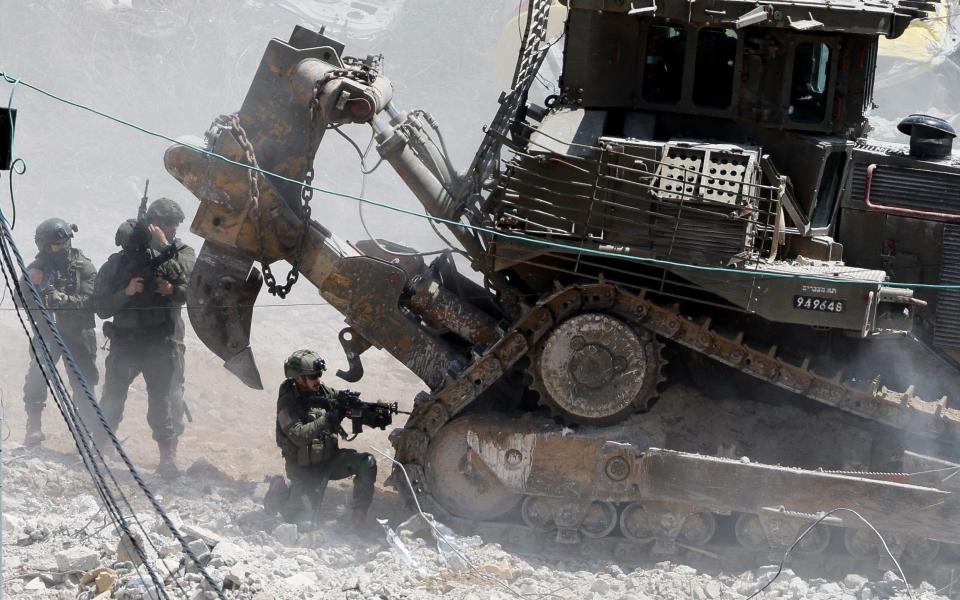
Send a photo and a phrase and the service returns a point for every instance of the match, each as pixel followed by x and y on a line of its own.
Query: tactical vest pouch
pixel 319 452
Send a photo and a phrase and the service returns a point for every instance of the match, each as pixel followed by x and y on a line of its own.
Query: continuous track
pixel 899 410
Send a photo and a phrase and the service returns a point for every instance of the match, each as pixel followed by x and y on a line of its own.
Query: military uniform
pixel 67 287
pixel 164 209
pixel 306 433
pixel 186 258
pixel 142 339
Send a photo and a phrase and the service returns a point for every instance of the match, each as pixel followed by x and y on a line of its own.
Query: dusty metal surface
pixel 761 275
pixel 595 368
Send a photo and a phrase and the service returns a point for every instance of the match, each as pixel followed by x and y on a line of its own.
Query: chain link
pixel 362 71
pixel 231 123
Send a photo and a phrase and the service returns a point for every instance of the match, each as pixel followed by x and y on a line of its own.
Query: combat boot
pixel 358 519
pixel 34 434
pixel 277 495
pixel 167 468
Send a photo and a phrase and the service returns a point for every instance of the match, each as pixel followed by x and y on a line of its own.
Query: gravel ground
pixel 60 545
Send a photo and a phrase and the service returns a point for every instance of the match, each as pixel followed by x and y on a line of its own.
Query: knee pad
pixel 370 463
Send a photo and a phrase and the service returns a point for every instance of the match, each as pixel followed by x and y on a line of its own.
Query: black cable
pixel 61 399
pixel 82 436
pixel 84 441
pixel 817 522
pixel 7 244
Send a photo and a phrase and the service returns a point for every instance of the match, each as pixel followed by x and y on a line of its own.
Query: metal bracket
pixel 353 346
pixel 634 10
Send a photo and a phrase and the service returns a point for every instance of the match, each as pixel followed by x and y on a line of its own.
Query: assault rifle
pixel 363 414
pixel 48 293
pixel 146 262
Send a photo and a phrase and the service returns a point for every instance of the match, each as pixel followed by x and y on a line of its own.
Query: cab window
pixel 808 88
pixel 663 66
pixel 716 58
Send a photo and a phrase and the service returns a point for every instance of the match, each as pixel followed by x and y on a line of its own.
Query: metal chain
pixel 231 123
pixel 361 72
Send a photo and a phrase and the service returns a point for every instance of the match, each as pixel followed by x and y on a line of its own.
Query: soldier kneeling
pixel 308 423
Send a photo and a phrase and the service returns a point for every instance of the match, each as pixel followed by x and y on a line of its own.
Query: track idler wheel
pixel 600 520
pixel 635 524
pixel 597 369
pixel 539 513
pixel 816 541
pixel 698 529
pixel 864 544
pixel 921 551
pixel 461 481
pixel 750 533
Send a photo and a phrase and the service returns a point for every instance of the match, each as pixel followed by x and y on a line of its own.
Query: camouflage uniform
pixel 164 208
pixel 142 341
pixel 186 258
pixel 68 280
pixel 301 422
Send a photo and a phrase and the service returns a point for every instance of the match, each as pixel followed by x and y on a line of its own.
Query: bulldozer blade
pixel 223 289
pixel 244 367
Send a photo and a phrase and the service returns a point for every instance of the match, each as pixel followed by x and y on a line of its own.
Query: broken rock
pixel 226 554
pixel 106 580
pixel 127 548
pixel 286 534
pixel 196 532
pixel 77 558
pixel 35 584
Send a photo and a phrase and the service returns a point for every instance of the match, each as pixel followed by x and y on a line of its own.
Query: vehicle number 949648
pixel 830 305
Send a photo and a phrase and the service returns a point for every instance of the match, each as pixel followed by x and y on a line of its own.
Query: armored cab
pixel 716 154
pixel 701 186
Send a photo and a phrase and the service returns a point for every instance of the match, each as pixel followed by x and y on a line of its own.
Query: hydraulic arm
pixel 303 88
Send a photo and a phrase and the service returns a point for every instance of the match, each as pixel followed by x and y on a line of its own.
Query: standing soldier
pixel 65 278
pixel 164 216
pixel 307 426
pixel 144 300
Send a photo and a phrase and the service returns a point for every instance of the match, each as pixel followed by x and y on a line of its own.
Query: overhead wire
pixel 83 438
pixel 15 162
pixel 363 221
pixel 478 229
pixel 61 400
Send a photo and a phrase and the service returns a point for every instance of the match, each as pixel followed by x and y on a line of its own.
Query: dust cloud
pixel 172 66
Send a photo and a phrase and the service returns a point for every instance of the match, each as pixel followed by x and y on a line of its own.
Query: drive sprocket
pixel 595 368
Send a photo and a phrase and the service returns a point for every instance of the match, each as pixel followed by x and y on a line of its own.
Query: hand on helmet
pixel 158 236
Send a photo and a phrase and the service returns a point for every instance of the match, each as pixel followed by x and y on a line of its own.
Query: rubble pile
pixel 60 544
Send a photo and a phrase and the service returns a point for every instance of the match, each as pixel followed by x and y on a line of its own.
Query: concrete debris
pixel 286 534
pixel 127 548
pixel 196 532
pixel 77 558
pixel 254 556
pixel 35 584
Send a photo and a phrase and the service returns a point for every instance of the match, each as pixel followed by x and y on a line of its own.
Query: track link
pixel 900 410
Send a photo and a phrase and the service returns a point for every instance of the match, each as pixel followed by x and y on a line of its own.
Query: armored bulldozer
pixel 702 187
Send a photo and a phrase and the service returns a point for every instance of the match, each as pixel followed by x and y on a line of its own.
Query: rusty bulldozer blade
pixel 222 292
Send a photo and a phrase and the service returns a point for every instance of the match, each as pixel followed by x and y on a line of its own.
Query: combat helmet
pixel 131 236
pixel 52 231
pixel 303 362
pixel 165 209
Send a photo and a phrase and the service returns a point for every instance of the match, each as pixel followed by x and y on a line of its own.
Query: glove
pixel 335 414
pixel 54 299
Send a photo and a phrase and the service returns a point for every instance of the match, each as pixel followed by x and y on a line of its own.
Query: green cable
pixel 500 234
